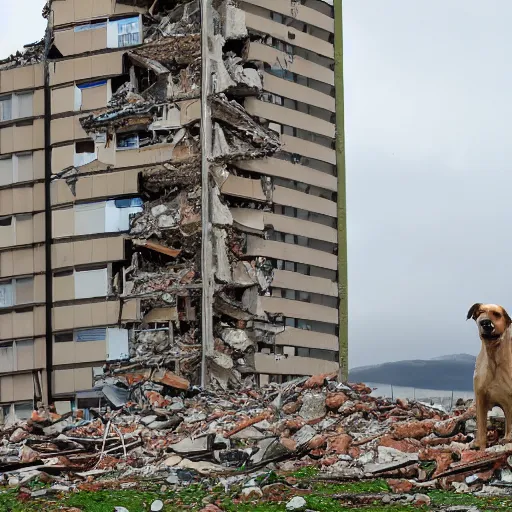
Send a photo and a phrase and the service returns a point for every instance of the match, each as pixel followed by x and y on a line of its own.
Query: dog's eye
pixel 497 315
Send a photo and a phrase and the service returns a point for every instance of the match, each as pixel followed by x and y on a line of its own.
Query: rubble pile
pixel 31 54
pixel 158 106
pixel 154 424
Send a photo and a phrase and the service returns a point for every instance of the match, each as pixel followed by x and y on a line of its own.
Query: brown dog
pixel 492 380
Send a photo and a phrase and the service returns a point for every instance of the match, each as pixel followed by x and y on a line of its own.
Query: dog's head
pixel 492 320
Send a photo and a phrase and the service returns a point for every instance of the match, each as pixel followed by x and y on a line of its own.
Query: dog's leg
pixel 481 422
pixel 507 410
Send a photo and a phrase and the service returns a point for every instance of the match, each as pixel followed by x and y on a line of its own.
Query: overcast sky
pixel 429 158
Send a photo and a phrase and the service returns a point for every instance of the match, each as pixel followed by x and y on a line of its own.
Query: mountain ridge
pixel 449 372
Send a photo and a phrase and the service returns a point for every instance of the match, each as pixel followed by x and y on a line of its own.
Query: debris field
pixel 155 426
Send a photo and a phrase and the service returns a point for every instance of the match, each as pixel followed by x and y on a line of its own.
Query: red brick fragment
pixel 400 486
pixel 340 444
pixel 335 400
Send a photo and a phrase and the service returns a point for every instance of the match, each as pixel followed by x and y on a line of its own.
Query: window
pixel 84 335
pixel 63 337
pixel 6 171
pixel 24 290
pixel 23 167
pixel 6 108
pixel 128 202
pixel 25 108
pixel 91 283
pixel 85 152
pixel 6 295
pixel 124 32
pixel 128 141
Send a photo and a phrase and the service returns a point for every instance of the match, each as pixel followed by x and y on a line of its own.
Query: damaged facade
pixel 102 258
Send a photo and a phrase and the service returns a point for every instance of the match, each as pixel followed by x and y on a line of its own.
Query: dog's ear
pixel 507 317
pixel 473 311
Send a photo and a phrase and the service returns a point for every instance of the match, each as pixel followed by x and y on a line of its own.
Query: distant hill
pixel 453 372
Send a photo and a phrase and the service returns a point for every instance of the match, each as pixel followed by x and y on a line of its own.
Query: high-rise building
pixel 141 150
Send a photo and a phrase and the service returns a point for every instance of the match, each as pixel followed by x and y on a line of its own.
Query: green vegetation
pixel 319 496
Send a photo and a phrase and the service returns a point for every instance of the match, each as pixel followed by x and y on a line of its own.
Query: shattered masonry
pixel 165 267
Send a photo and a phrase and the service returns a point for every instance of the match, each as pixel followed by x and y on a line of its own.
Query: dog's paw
pixel 476 445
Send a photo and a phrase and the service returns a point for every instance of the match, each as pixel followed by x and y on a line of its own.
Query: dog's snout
pixel 486 325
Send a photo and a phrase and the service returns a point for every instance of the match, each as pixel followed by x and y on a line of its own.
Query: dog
pixel 492 380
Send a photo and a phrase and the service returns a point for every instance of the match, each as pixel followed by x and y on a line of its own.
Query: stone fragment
pixel 296 503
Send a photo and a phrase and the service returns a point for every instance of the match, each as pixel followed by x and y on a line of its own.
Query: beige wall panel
pixel 296 281
pixel 296 172
pixel 83 379
pixel 62 72
pixel 86 68
pixel 39 288
pixel 23 387
pixel 23 77
pixel 288 197
pixel 23 199
pixel 23 324
pixel 23 138
pixel 22 262
pixel 106 64
pixel 39 229
pixel 63 12
pixel 90 351
pixel 62 157
pixel 39 199
pixel 94 97
pixel 265 363
pixel 258 247
pixel 63 288
pixel 24 230
pixel 25 355
pixel 83 68
pixel 298 65
pixel 40 353
pixel 308 149
pixel 38 103
pixel 6 326
pixel 289 35
pixel 146 156
pixel 7 235
pixel 63 221
pixel 298 12
pixel 64 40
pixel 299 309
pixel 303 338
pixel 63 100
pixel 89 40
pixel 7 263
pixel 63 381
pixel 38 164
pixel 61 193
pixel 84 252
pixel 64 353
pixel 299 227
pixel 63 318
pixel 62 255
pixel 289 117
pixel 7 140
pixel 6 388
pixel 67 128
pixel 298 92
pixel 86 315
pixel 39 321
pixel 6 206
pixel 131 310
pixel 243 187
